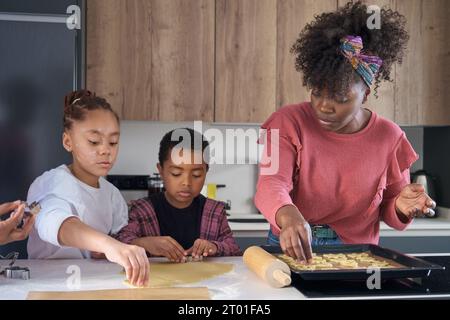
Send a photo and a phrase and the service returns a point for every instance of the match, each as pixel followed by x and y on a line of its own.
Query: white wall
pixel 138 155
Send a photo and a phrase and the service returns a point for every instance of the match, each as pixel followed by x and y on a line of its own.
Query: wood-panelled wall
pixel 422 86
pixel 153 59
pixel 229 60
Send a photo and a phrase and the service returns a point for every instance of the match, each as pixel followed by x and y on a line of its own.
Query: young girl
pixel 79 208
pixel 342 167
pixel 180 222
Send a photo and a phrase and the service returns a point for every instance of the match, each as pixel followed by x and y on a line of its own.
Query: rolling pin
pixel 267 267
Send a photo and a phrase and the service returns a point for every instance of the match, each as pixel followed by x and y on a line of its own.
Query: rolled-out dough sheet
pixel 124 294
pixel 168 274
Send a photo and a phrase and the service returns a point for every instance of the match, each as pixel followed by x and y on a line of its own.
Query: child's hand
pixel 165 247
pixel 203 248
pixel 132 258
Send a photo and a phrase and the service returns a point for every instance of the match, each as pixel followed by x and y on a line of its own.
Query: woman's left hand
pixel 414 202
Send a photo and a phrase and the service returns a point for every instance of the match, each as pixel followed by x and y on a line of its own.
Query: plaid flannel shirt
pixel 214 227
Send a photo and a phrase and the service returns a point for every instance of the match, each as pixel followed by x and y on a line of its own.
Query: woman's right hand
pixel 163 246
pixel 132 258
pixel 9 231
pixel 295 235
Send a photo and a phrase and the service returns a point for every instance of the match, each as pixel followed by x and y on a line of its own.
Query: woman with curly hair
pixel 342 168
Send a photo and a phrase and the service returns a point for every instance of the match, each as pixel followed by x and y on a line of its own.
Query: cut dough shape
pixel 168 274
pixel 340 261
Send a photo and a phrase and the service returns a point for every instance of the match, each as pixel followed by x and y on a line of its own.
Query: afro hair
pixel 317 49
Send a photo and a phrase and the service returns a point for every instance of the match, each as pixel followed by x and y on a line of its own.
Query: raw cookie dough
pixel 168 274
pixel 340 261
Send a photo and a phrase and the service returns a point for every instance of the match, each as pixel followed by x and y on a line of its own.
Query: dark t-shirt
pixel 183 225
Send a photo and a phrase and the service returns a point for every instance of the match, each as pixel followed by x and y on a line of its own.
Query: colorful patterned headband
pixel 366 66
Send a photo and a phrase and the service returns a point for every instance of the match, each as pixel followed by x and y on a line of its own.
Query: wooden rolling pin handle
pixel 283 278
pixel 272 270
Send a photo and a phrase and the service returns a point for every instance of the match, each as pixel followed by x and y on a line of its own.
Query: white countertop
pixel 421 227
pixel 52 275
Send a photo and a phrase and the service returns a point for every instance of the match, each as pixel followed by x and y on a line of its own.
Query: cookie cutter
pixel 16 272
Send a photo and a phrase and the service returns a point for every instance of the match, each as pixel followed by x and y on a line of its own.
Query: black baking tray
pixel 414 267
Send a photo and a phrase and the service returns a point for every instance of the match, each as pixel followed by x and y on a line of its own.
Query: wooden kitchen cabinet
pixel 230 60
pixel 245 60
pixel 153 59
pixel 292 17
pixel 423 81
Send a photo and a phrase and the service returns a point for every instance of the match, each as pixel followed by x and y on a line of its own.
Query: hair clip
pixel 75 101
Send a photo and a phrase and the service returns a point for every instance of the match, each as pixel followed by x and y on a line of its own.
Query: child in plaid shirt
pixel 180 222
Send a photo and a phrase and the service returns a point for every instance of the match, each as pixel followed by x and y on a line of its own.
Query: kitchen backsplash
pixel 138 155
pixel 432 143
pixel 436 154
